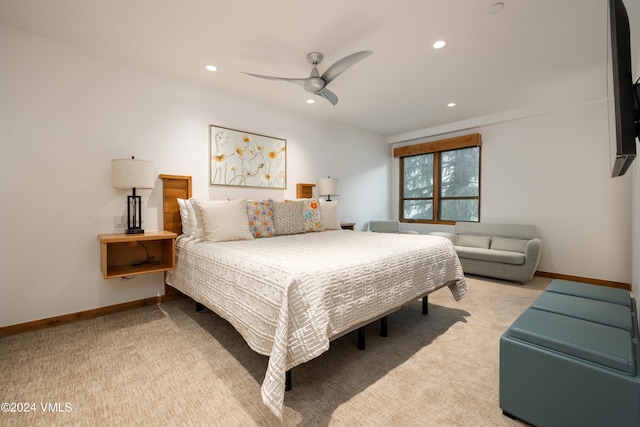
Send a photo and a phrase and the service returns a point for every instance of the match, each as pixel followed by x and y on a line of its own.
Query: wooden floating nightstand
pixel 348 225
pixel 304 191
pixel 123 255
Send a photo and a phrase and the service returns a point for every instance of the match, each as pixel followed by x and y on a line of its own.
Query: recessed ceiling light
pixel 439 44
pixel 451 104
pixel 311 101
pixel 211 68
pixel 495 8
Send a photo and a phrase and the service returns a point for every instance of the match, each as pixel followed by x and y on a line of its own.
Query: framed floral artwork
pixel 246 159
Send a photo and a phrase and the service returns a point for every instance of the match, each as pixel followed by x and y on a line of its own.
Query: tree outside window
pixel 440 181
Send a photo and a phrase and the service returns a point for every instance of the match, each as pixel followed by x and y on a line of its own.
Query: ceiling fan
pixel 316 83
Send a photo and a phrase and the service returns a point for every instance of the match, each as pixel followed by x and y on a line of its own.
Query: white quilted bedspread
pixel 289 295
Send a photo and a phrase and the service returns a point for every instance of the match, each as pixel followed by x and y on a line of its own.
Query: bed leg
pixel 199 307
pixel 287 381
pixel 425 304
pixel 383 326
pixel 361 331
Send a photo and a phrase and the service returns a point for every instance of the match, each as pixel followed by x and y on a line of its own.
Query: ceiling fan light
pixel 311 101
pixel 317 84
pixel 439 44
pixel 211 68
pixel 495 8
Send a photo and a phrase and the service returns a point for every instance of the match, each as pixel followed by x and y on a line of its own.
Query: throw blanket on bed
pixel 289 295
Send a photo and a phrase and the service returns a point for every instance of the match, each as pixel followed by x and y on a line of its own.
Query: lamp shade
pixel 132 173
pixel 328 187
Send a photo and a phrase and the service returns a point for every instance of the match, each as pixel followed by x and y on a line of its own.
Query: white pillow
pixel 188 217
pixel 225 221
pixel 197 226
pixel 184 216
pixel 193 218
pixel 329 210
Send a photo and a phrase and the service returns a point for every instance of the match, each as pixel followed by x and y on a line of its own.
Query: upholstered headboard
pixel 174 187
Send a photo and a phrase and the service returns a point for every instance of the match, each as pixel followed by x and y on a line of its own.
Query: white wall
pixel 553 170
pixel 65 113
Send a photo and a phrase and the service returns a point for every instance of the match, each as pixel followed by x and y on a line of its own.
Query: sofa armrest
pixel 451 236
pixel 532 252
pixel 532 249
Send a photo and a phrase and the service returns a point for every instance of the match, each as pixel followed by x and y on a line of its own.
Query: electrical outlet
pixel 119 221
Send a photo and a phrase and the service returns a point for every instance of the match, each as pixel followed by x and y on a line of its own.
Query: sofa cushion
pixel 474 241
pixel 491 255
pixel 508 244
pixel 606 313
pixel 585 290
pixel 518 231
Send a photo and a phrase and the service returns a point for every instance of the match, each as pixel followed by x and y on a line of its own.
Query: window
pixel 440 180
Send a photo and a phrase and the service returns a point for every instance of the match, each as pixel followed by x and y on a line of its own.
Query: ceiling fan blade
pixel 328 95
pixel 341 65
pixel 300 82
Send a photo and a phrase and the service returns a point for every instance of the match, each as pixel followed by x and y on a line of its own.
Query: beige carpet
pixel 169 365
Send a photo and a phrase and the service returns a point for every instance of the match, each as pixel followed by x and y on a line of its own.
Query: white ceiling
pixel 533 53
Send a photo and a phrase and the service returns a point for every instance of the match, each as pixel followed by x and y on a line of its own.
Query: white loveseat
pixel 503 251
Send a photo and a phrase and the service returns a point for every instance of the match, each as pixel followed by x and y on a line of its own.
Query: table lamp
pixel 133 173
pixel 328 187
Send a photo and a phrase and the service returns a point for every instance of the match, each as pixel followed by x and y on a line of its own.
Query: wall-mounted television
pixel 622 93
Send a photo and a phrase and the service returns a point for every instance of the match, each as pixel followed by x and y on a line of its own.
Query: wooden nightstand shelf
pixel 119 251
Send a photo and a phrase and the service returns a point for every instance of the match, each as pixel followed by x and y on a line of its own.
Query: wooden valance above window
pixel 472 140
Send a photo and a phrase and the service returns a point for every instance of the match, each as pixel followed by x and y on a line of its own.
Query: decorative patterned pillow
pixel 224 220
pixel 312 216
pixel 329 211
pixel 260 213
pixel 287 217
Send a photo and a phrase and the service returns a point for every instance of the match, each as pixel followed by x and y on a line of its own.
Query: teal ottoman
pixel 572 360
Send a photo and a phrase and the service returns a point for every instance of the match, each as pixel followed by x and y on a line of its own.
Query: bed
pixel 288 296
